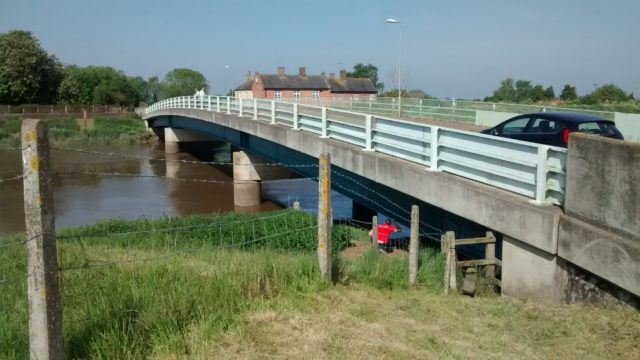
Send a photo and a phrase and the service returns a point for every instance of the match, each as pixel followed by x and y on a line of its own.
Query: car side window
pixel 517 126
pixel 545 126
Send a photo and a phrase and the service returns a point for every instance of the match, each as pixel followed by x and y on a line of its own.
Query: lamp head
pixel 392 21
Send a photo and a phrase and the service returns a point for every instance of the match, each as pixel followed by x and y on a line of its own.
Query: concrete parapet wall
pixel 603 183
pixel 611 257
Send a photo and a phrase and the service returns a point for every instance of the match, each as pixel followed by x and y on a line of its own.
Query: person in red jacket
pixel 384 230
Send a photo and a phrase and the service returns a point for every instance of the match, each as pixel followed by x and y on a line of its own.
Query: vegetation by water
pixel 101 129
pixel 247 286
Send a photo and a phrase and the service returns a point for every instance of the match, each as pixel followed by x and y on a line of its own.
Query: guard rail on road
pixel 532 170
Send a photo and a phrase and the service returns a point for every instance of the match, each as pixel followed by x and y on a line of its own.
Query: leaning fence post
pixel 45 309
pixel 374 232
pixel 324 216
pixel 413 245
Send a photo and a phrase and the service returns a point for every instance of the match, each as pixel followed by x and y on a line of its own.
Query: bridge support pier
pixel 246 180
pixel 531 273
pixel 173 137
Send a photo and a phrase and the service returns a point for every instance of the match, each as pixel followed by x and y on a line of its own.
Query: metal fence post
pixel 218 103
pixel 296 117
pixel 541 175
pixel 209 103
pixel 325 125
pixel 324 216
pixel 255 109
pixel 433 158
pixel 368 133
pixel 228 105
pixel 273 111
pixel 413 245
pixel 45 309
pixel 240 109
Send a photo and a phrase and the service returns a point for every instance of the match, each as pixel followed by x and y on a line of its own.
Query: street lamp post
pixel 396 21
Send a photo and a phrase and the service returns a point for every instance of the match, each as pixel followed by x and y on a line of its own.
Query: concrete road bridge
pixel 568 218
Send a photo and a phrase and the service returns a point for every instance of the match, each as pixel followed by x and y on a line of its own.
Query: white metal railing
pixel 532 170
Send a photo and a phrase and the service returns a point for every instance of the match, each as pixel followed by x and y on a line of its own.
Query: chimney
pixel 332 75
pixel 302 71
pixel 248 77
pixel 343 74
pixel 281 71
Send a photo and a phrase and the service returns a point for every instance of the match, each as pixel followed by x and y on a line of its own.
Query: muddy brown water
pixel 81 198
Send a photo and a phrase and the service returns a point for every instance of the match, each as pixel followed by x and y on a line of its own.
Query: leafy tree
pixel 524 91
pixel 368 71
pixel 182 82
pixel 506 91
pixel 80 82
pixel 152 90
pixel 27 73
pixel 118 90
pixel 609 93
pixel 100 85
pixel 549 93
pixel 568 93
pixel 537 94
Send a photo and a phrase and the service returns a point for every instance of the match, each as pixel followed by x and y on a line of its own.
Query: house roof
pixel 245 85
pixel 291 82
pixel 352 85
pixel 312 82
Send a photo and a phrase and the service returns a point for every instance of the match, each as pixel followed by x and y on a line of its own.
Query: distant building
pixel 302 86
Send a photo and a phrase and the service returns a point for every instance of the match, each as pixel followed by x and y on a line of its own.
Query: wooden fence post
pixel 449 238
pixel 324 216
pixel 374 232
pixel 413 245
pixel 490 254
pixel 45 309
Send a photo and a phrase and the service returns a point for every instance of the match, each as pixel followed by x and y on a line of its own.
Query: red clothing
pixel 384 231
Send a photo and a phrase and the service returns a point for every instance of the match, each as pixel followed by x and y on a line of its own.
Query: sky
pixel 450 49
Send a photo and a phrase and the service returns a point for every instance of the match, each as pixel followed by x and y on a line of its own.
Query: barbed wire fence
pixel 82 249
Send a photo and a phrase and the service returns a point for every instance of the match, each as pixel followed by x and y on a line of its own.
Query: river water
pixel 86 189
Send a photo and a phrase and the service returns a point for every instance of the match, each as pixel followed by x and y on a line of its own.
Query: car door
pixel 543 130
pixel 516 128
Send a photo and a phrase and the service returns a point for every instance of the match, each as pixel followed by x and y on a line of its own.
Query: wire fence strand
pixel 181 161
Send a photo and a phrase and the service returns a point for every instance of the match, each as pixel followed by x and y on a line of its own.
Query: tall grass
pixel 133 288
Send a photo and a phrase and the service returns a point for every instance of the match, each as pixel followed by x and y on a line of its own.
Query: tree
pixel 568 93
pixel 152 90
pixel 549 93
pixel 368 71
pixel 182 82
pixel 609 93
pixel 538 94
pixel 506 91
pixel 524 91
pixel 27 73
pixel 79 84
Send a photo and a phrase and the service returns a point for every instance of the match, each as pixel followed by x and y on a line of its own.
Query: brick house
pixel 302 86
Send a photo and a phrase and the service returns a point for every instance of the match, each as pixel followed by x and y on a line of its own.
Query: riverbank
pixel 103 129
pixel 247 286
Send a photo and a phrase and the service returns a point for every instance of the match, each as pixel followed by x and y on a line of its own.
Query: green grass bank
pixel 65 130
pixel 247 286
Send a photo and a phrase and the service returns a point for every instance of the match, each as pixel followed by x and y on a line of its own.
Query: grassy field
pixel 101 129
pixel 247 286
